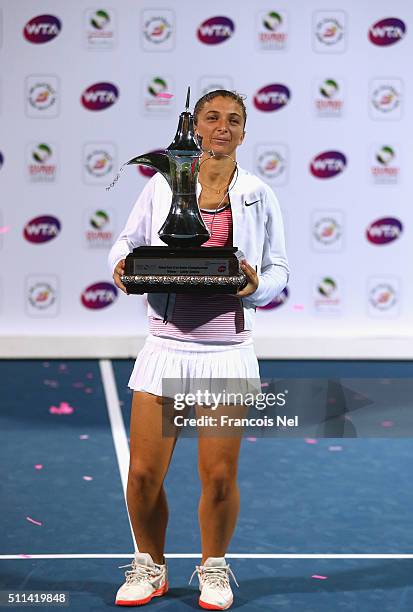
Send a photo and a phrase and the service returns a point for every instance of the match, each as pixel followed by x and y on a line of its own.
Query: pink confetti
pixel 251 439
pixel 265 384
pixel 319 577
pixel 335 448
pixel 46 364
pixel 78 385
pixel 28 518
pixel 84 437
pixel 165 94
pixel 311 440
pixel 387 423
pixel 25 556
pixel 62 367
pixel 64 408
pixel 38 466
pixel 4 229
pixel 87 478
pixel 331 400
pixel 89 375
pixel 298 307
pixel 88 390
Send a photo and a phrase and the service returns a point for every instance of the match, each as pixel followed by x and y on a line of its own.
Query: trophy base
pixel 201 270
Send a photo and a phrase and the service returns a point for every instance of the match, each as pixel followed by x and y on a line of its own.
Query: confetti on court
pixel 317 577
pixel 87 477
pixel 89 375
pixel 29 518
pixel 64 408
pixel 78 385
pixel 310 440
pixel 335 448
pixel 25 556
pixel 265 384
pixel 88 390
pixel 251 439
pixel 46 364
pixel 38 466
pixel 84 437
pixel 387 423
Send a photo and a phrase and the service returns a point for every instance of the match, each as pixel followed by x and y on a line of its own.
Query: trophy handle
pixel 157 161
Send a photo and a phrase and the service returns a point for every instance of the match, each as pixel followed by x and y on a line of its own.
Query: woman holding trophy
pixel 198 336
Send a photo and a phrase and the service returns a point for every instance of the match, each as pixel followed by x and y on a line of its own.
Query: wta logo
pixel 100 96
pixel 387 31
pixel 215 30
pixel 42 229
pixel 99 295
pixel 279 301
pixel 384 230
pixel 272 97
pixel 328 164
pixel 42 29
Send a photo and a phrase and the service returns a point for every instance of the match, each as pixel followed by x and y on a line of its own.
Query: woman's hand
pixel 252 278
pixel 117 273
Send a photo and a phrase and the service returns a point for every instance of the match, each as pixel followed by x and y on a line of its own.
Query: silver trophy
pixel 184 266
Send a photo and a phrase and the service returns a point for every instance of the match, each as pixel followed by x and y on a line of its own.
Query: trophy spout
pixel 157 161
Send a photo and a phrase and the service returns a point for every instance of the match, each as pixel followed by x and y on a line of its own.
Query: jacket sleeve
pixel 137 231
pixel 274 273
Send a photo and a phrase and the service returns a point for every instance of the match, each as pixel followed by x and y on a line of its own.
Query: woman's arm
pixel 274 272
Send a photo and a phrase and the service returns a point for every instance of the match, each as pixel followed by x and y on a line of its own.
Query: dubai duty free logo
pixel 383 296
pixel 272 30
pixel 328 97
pixel 272 97
pixel 99 229
pixel 329 31
pixel 328 164
pixel 215 30
pixel 387 31
pixel 386 97
pixel 385 166
pixel 42 29
pixel 100 29
pixel 99 96
pixel 158 30
pixel 41 162
pixel 326 295
pixel 156 96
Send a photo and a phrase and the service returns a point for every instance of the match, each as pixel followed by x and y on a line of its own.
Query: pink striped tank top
pixel 214 318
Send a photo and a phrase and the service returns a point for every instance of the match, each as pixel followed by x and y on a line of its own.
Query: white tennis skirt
pixel 188 362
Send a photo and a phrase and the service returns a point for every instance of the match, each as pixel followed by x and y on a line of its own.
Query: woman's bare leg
pixel 150 456
pixel 220 499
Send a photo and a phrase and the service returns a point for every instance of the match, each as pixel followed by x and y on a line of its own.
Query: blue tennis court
pixel 64 457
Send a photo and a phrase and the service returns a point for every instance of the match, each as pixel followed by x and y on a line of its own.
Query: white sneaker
pixel 216 593
pixel 145 580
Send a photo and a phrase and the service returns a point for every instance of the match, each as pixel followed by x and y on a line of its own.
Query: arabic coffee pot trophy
pixel 183 266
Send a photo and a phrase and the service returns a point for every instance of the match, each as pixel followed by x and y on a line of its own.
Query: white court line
pixel 229 556
pixel 120 438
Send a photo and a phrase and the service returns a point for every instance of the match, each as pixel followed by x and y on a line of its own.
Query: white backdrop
pixel 328 88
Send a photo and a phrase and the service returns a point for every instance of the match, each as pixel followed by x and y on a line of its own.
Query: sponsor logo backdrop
pixel 329 118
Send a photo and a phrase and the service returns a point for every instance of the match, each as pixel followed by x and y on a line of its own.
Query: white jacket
pixel 257 231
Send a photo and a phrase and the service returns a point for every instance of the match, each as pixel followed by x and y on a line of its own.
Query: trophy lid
pixel 185 139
